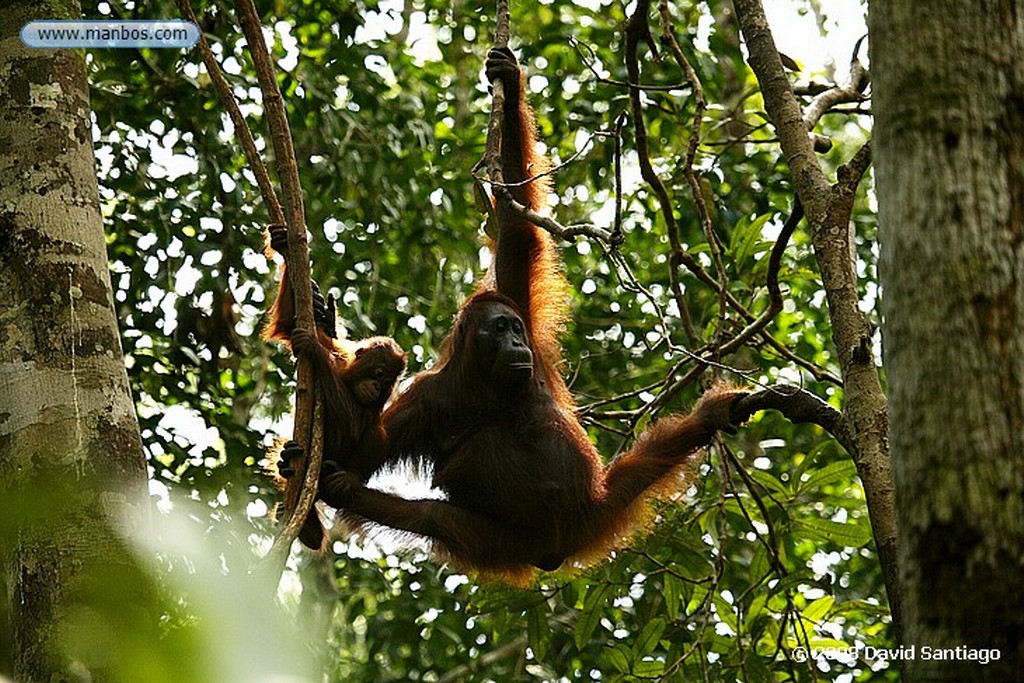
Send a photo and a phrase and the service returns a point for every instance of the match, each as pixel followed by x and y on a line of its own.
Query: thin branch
pixel 637 29
pixel 771 544
pixel 850 174
pixel 631 283
pixel 820 374
pixel 714 243
pixel 620 84
pixel 301 499
pixel 783 109
pixel 811 89
pixel 491 160
pixel 242 130
pixel 305 494
pixel 298 500
pixel 775 301
pixel 564 232
pixel 591 409
pixel 553 170
pixel 851 91
pixel 797 405
pixel 617 236
pixel 513 648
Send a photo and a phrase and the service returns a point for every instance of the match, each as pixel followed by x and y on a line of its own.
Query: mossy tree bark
pixel 948 82
pixel 72 470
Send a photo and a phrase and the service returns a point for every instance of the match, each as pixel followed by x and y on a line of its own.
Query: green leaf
pixel 759 563
pixel 620 658
pixel 746 239
pixel 726 612
pixel 829 643
pixel 537 631
pixel 571 595
pixel 817 610
pixel 849 534
pixel 590 615
pixel 828 475
pixel 674 591
pixel 692 565
pixel 756 609
pixel 649 668
pixel 770 482
pixel 648 639
pixel 642 424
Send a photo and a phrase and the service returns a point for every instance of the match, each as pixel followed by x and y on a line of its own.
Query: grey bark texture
pixel 72 471
pixel 948 82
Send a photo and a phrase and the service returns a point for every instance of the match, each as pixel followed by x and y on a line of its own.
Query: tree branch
pixel 851 91
pixel 637 29
pixel 775 301
pixel 491 160
pixel 829 212
pixel 783 109
pixel 298 501
pixel 797 405
pixel 242 130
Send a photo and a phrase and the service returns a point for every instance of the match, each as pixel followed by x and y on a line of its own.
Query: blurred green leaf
pixel 590 615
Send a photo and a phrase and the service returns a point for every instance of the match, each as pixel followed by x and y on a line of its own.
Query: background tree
pixel 951 191
pixel 84 594
pixel 71 463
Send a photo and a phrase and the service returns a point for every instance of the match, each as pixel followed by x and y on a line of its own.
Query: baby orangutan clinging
pixel 356 379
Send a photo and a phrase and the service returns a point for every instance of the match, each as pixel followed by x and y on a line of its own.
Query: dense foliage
pixel 771 549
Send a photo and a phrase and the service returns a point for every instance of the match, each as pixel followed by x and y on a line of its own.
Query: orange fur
pixel 526 487
pixel 353 432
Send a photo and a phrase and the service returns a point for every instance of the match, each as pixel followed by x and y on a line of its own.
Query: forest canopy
pixel 684 275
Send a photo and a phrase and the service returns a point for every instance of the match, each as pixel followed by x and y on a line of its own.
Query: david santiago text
pixel 907 653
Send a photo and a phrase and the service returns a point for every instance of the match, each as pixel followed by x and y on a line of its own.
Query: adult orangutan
pixel 525 486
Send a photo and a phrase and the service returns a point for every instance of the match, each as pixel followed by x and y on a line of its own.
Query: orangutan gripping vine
pixel 356 380
pixel 525 486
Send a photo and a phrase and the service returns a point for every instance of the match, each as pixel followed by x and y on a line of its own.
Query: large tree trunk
pixel 72 472
pixel 949 138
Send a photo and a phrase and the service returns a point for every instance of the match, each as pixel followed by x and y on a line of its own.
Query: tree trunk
pixel 829 210
pixel 948 82
pixel 72 471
